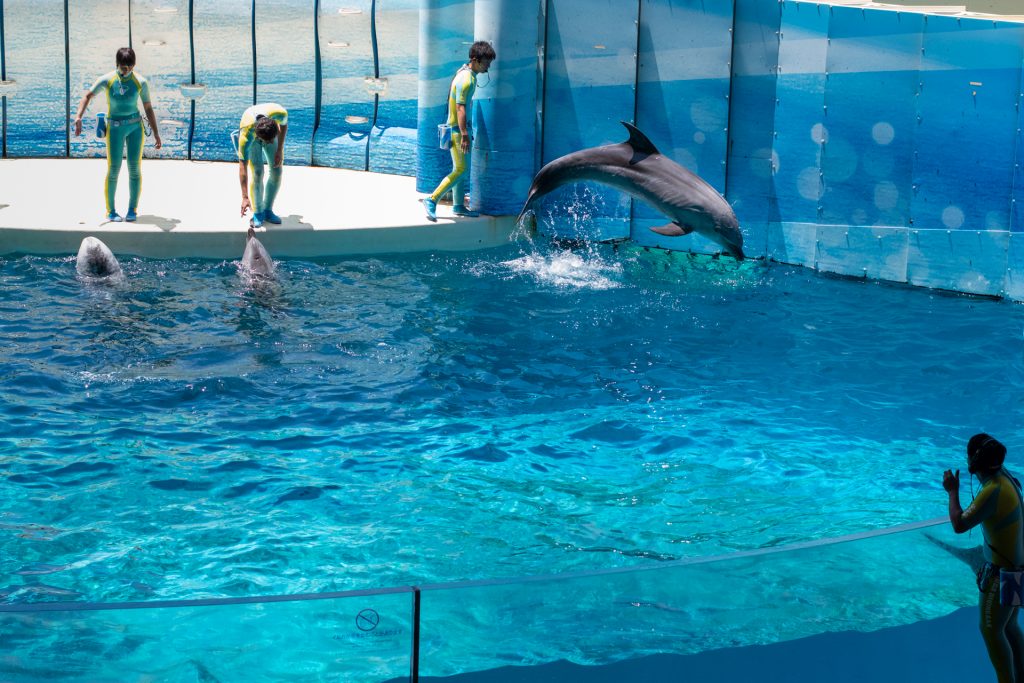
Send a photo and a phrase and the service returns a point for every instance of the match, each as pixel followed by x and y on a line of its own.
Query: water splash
pixel 568 269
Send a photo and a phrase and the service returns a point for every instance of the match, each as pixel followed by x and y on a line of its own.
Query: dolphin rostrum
pixel 638 168
pixel 255 259
pixel 96 260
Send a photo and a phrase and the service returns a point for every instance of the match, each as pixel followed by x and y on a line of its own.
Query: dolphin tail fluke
pixel 638 141
pixel 972 557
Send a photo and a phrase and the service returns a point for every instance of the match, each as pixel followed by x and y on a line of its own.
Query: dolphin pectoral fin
pixel 672 230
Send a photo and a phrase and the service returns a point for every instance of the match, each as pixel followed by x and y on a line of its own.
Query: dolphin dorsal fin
pixel 638 141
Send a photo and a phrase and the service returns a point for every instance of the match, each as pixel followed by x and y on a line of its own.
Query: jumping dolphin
pixel 96 260
pixel 638 168
pixel 255 259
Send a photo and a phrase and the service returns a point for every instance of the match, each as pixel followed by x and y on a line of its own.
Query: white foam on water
pixel 568 269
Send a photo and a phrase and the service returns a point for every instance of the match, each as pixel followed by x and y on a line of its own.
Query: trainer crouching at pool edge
pixel 997 507
pixel 261 139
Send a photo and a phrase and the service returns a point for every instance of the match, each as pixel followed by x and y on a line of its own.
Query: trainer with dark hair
pixel 261 135
pixel 997 508
pixel 122 127
pixel 460 97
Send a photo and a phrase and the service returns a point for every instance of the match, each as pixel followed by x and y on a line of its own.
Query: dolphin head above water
pixel 639 169
pixel 255 259
pixel 96 260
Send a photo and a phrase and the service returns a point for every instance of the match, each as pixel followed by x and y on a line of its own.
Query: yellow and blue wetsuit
pixel 461 92
pixel 124 127
pixel 254 151
pixel 997 507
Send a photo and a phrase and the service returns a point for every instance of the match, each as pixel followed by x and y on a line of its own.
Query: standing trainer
pixel 122 127
pixel 460 98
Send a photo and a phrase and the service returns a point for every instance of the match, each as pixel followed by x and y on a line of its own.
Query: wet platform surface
pixel 191 209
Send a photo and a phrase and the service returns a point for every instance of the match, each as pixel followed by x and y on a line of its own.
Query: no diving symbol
pixel 367 620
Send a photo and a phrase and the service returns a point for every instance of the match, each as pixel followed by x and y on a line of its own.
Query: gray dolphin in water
pixel 255 258
pixel 96 260
pixel 638 168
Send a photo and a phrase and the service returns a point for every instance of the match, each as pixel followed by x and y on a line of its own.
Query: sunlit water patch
pixel 382 421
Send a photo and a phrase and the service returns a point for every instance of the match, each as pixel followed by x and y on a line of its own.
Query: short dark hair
pixel 984 453
pixel 266 128
pixel 125 57
pixel 482 51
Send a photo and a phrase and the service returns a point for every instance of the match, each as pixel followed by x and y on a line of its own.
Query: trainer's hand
pixel 279 159
pixel 245 205
pixel 464 144
pixel 950 481
pixel 78 127
pixel 159 143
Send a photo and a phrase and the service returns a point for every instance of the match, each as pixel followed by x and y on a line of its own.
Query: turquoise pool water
pixel 373 422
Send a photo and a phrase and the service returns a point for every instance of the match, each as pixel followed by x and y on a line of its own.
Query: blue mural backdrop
pixel 96 30
pixel 505 117
pixel 160 38
pixel 222 36
pixel 446 33
pixel 34 59
pixel 799 114
pixel 286 69
pixel 1017 202
pixel 682 97
pixel 884 135
pixel 347 108
pixel 752 163
pixel 963 170
pixel 590 85
pixel 393 140
pixel 870 117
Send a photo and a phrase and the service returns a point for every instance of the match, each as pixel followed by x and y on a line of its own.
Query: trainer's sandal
pixel 131 216
pixel 114 217
pixel 256 221
pixel 271 217
pixel 431 206
pixel 464 212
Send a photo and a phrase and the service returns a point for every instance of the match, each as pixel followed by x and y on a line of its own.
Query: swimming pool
pixel 390 421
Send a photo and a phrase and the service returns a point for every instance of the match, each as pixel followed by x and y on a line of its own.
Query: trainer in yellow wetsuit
pixel 997 508
pixel 460 97
pixel 124 88
pixel 261 137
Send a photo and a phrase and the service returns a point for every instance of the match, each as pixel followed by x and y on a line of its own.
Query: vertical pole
pixel 729 115
pixel 376 74
pixel 319 93
pixel 192 67
pixel 542 90
pixel 254 80
pixel 414 664
pixel 636 99
pixel 3 77
pixel 67 82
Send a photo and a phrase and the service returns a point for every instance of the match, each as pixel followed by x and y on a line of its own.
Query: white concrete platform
pixel 191 209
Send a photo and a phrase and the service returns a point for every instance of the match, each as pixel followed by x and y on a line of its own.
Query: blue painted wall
pixel 589 87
